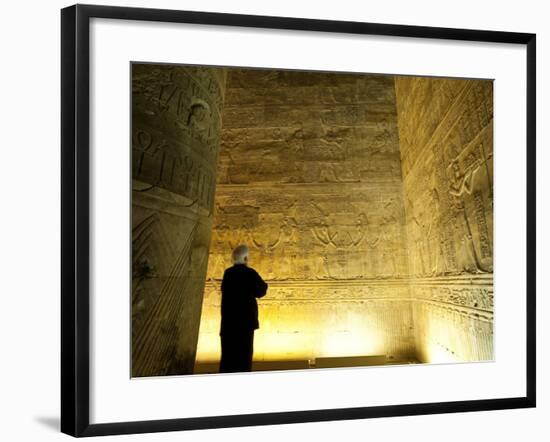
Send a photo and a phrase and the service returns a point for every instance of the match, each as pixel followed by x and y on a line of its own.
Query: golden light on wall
pixel 362 342
pixel 438 354
pixel 272 345
pixel 305 329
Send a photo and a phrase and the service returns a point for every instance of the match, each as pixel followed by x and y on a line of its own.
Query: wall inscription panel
pixel 446 139
pixel 310 179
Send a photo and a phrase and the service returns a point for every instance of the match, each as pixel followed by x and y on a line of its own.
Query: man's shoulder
pixel 235 269
pixel 251 270
pixel 240 269
pixel 228 271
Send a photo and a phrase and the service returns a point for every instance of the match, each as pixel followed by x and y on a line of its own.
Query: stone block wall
pixel 446 143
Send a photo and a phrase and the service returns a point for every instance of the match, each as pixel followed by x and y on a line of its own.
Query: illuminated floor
pixel 334 362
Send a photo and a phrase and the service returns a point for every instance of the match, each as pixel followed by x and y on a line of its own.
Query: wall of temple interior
pixel 176 124
pixel 446 144
pixel 309 176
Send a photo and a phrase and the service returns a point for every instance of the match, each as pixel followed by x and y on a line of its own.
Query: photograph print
pixel 305 220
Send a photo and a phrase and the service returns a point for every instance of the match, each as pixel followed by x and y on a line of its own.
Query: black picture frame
pixel 75 225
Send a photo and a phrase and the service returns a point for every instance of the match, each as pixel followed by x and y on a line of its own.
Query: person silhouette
pixel 240 287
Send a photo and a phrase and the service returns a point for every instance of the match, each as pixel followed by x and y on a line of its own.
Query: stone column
pixel 176 122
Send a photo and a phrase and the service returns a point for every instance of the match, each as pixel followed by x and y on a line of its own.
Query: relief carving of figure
pixel 460 182
pixel 461 188
pixel 435 243
pixel 415 229
pixel 320 268
pixel 469 259
pixel 327 173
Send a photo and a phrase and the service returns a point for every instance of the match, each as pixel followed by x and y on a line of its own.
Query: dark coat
pixel 241 285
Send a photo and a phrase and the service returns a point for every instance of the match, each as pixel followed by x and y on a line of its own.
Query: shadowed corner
pixel 50 422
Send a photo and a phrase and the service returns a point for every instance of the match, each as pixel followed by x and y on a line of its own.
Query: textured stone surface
pixel 446 142
pixel 176 123
pixel 310 178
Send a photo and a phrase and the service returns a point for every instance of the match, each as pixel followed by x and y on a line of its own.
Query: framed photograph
pixel 272 220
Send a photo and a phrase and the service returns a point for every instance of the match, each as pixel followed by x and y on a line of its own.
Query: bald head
pixel 240 254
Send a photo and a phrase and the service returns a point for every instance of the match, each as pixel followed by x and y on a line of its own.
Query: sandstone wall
pixel 446 143
pixel 176 123
pixel 310 178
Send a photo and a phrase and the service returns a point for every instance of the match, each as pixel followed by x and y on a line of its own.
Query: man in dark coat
pixel 241 285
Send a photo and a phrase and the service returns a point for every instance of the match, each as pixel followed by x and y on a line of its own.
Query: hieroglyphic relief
pixel 310 178
pixel 176 124
pixel 448 181
pixel 308 233
pixel 297 127
pixel 175 139
pixel 446 139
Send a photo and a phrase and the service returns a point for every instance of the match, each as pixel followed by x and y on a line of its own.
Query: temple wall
pixel 446 139
pixel 310 179
pixel 176 124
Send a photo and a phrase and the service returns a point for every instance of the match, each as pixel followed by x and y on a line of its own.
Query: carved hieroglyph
pixel 176 124
pixel 446 143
